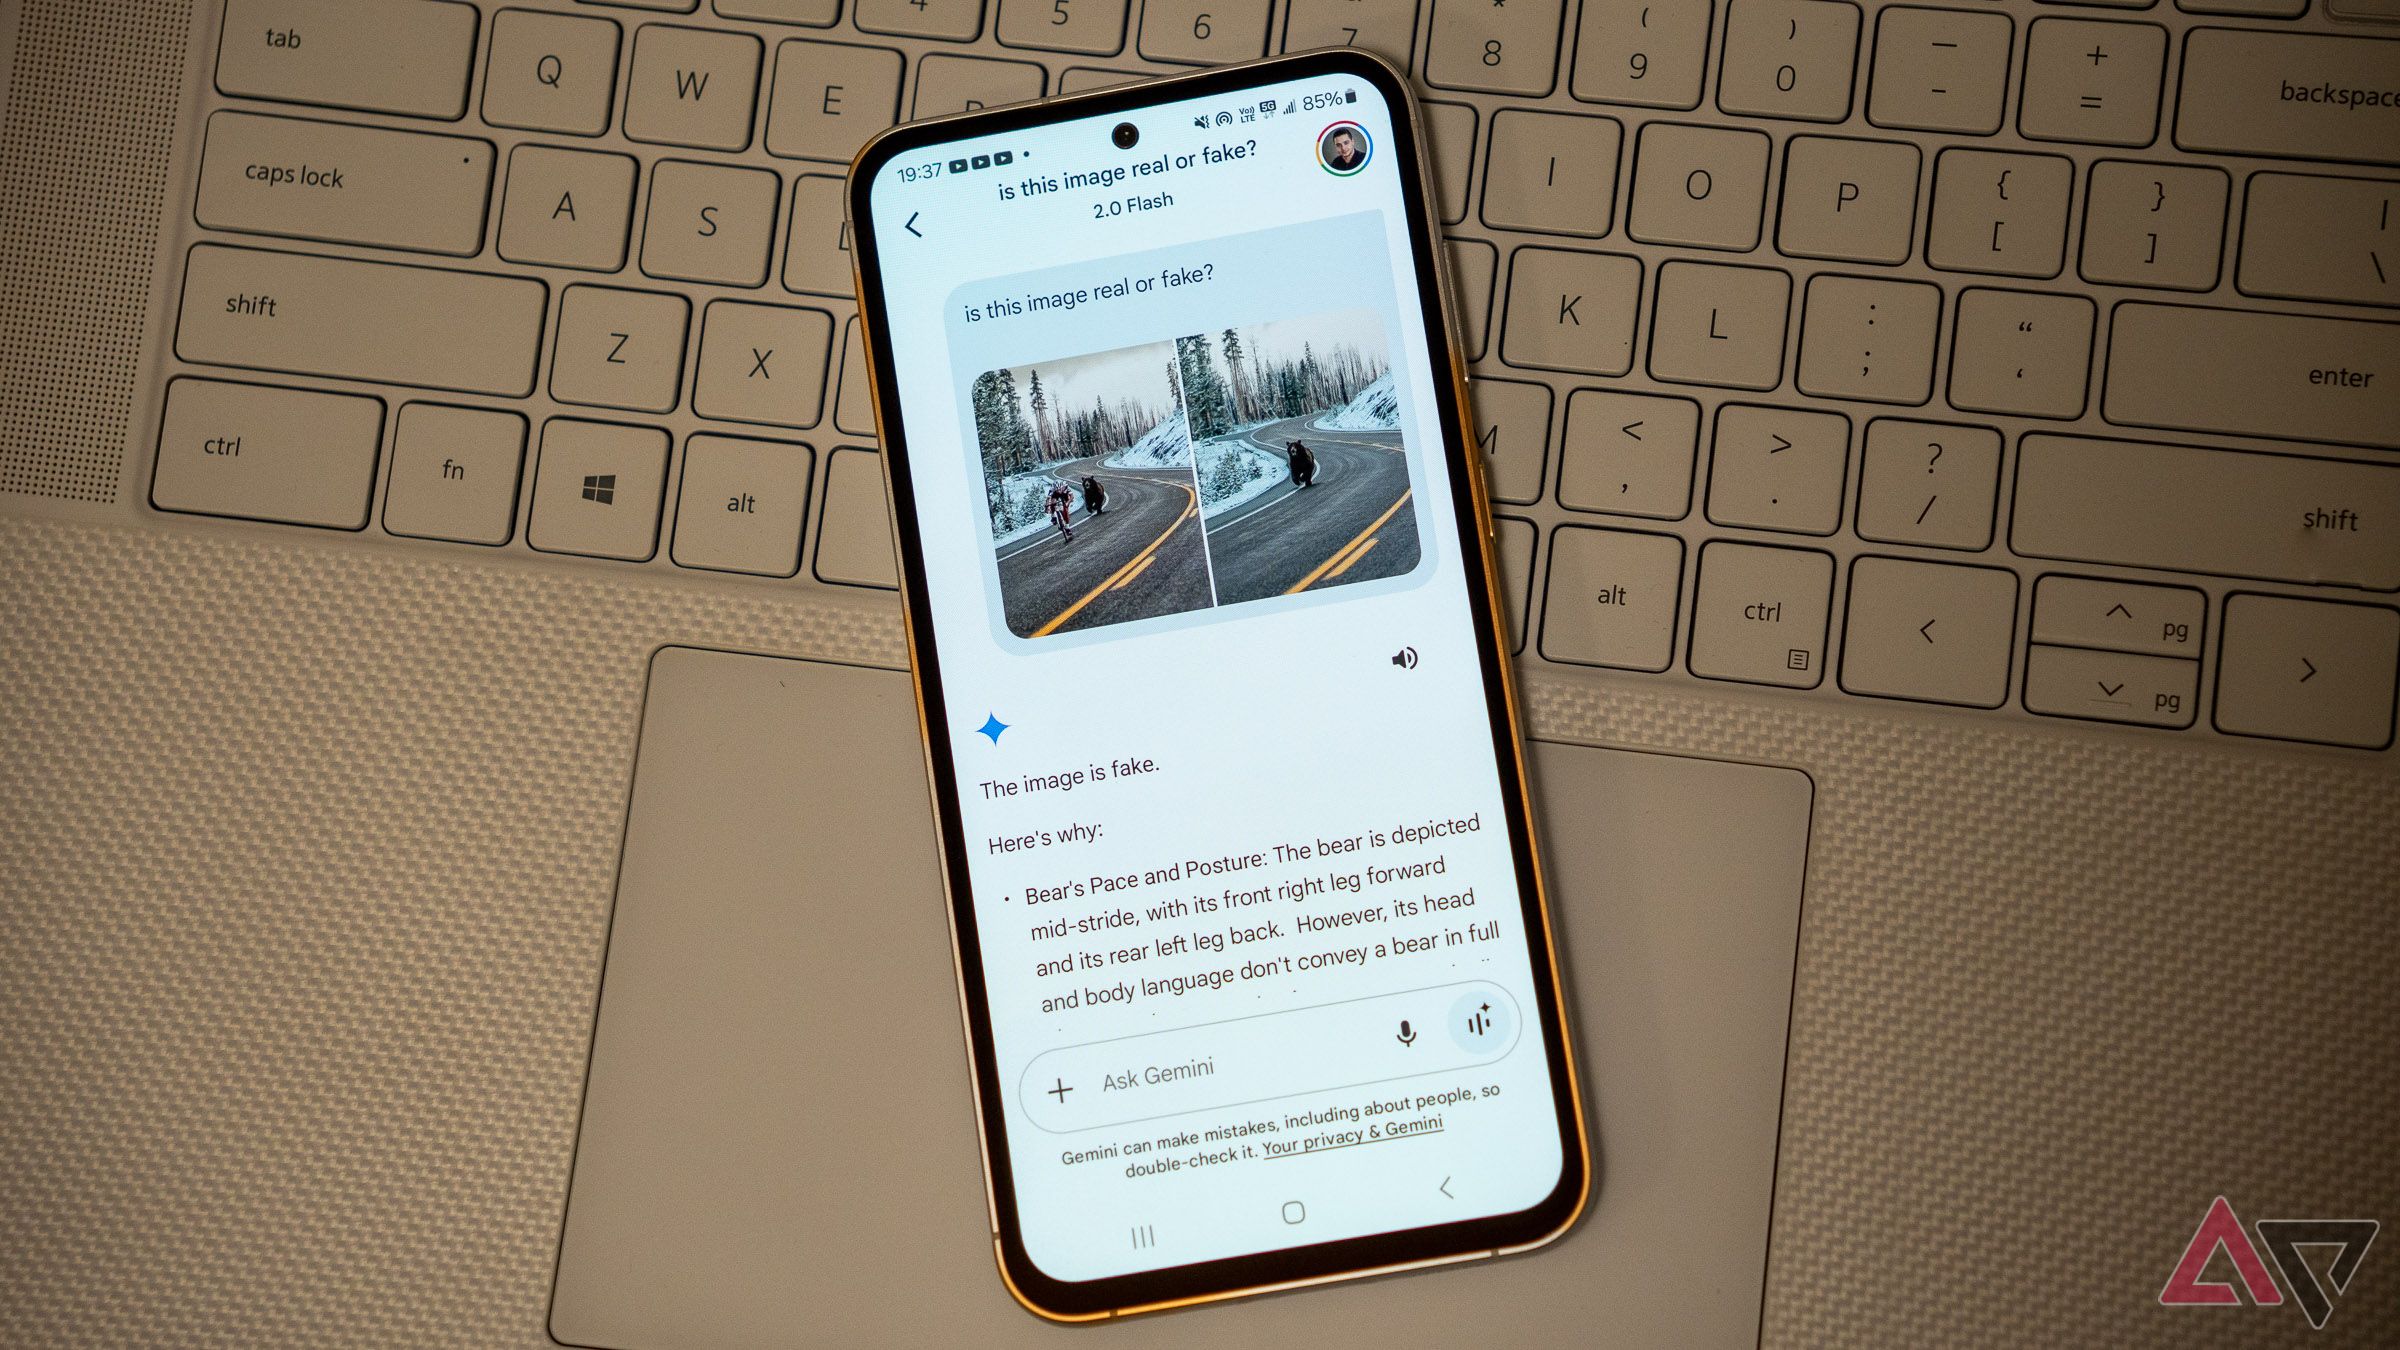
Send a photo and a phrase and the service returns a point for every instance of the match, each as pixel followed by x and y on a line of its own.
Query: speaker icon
pixel 1405 658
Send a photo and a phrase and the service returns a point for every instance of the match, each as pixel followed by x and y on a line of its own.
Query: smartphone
pixel 1257 971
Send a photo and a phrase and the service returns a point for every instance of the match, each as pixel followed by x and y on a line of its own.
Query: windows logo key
pixel 601 488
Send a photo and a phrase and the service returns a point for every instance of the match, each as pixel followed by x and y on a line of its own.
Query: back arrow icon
pixel 910 225
pixel 1445 1189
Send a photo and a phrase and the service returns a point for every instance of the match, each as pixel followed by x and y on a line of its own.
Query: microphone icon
pixel 1406 1036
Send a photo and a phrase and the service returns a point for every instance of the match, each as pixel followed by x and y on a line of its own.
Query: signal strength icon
pixel 1289 105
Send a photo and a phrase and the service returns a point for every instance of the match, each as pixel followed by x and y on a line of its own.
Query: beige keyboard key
pixel 1940 70
pixel 808 13
pixel 1704 187
pixel 1612 598
pixel 293 456
pixel 2119 616
pixel 1451 128
pixel 949 84
pixel 1084 79
pixel 344 184
pixel 829 99
pixel 1472 265
pixel 566 208
pixel 1651 55
pixel 2019 352
pixel 2179 508
pixel 1928 483
pixel 1759 616
pixel 1629 454
pixel 2243 372
pixel 2263 9
pixel 1931 632
pixel 816 255
pixel 619 349
pixel 1853 200
pixel 1512 550
pixel 2233 98
pixel 1570 310
pixel 854 404
pixel 2311 238
pixel 475 332
pixel 1204 32
pixel 692 86
pixel 1869 339
pixel 1779 469
pixel 742 505
pixel 597 489
pixel 709 222
pixel 1385 27
pixel 763 363
pixel 2153 691
pixel 1999 212
pixel 2154 225
pixel 2301 670
pixel 454 474
pixel 1093 27
pixel 1789 58
pixel 1494 49
pixel 550 72
pixel 2096 83
pixel 1720 326
pixel 953 20
pixel 396 56
pixel 1512 430
pixel 854 531
pixel 1561 173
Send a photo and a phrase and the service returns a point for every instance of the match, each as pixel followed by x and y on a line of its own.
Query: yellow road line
pixel 1132 565
pixel 1351 561
pixel 1129 576
pixel 1362 536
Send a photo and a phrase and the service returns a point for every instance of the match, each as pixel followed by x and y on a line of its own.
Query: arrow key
pixel 1929 631
pixel 2306 670
pixel 2118 616
pixel 2154 691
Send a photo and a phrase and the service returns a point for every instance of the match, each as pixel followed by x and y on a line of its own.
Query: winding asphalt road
pixel 1354 523
pixel 1142 556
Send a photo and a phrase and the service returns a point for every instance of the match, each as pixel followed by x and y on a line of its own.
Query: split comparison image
pixel 1210 470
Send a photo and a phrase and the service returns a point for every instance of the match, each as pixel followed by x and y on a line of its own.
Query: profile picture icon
pixel 1344 148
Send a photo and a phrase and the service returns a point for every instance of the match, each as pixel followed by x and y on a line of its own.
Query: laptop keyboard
pixel 2034 357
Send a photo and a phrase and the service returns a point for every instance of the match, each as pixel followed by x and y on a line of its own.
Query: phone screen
pixel 1258 976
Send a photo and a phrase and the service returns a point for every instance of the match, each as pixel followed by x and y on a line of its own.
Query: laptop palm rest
pixel 778 1143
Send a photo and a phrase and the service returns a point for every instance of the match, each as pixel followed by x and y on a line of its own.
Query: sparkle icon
pixel 992 727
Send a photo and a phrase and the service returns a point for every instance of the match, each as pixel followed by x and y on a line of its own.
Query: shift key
pixel 474 332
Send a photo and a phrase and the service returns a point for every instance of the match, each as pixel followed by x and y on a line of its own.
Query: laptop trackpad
pixel 778 1143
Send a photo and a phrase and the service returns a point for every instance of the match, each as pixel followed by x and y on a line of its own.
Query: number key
pixel 1497 46
pixel 1649 52
pixel 1789 58
pixel 957 20
pixel 1204 32
pixel 1386 27
pixel 1094 26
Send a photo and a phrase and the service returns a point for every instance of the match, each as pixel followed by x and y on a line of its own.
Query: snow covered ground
pixel 1233 469
pixel 1020 511
pixel 1165 446
pixel 1375 408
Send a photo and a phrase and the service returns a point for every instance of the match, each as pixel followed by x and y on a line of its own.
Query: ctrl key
pixel 256 452
pixel 1760 615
